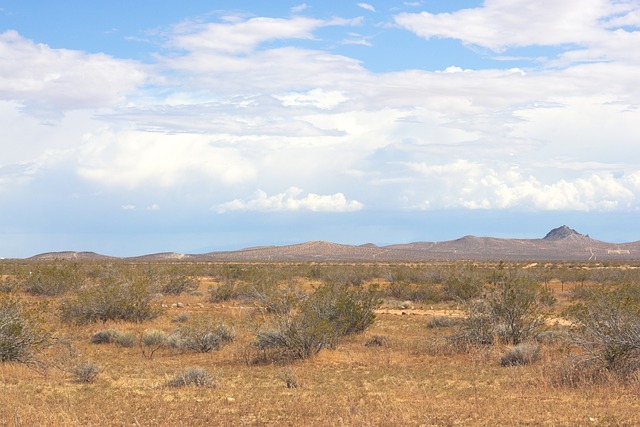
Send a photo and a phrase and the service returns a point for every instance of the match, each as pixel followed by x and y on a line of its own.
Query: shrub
pixel 151 341
pixel 226 291
pixel 54 279
pixel 330 313
pixel 274 299
pixel 442 322
pixel 377 341
pixel 513 310
pixel 85 372
pixel 181 318
pixel 289 378
pixel 114 299
pixel 113 336
pixel 194 376
pixel 202 335
pixel 22 333
pixel 106 336
pixel 522 354
pixel 463 283
pixel 179 283
pixel 607 328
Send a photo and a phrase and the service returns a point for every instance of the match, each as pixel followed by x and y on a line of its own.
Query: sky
pixel 190 126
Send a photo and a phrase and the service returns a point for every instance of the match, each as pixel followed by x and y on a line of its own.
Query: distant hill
pixel 562 243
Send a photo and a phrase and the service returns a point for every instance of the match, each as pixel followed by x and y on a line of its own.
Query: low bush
pixel 22 332
pixel 113 336
pixel 151 341
pixel 522 354
pixel 181 317
pixel 442 322
pixel 322 320
pixel 377 341
pixel 85 372
pixel 115 299
pixel 195 376
pixel 201 335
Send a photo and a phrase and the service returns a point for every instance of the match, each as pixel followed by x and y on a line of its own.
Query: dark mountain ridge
pixel 562 243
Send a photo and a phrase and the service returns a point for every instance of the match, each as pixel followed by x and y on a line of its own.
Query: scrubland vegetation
pixel 145 344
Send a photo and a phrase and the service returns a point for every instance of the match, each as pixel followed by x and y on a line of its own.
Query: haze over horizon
pixel 141 127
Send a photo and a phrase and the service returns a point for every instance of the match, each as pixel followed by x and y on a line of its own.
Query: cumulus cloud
pixel 292 200
pixel 471 185
pixel 500 24
pixel 49 81
pixel 131 159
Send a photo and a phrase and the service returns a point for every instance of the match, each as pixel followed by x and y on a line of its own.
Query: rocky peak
pixel 562 233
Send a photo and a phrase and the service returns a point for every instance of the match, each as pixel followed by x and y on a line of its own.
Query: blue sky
pixel 191 126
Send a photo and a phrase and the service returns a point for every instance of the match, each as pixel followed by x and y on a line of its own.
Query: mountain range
pixel 562 243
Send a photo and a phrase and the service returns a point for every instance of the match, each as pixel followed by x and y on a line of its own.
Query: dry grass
pixel 407 381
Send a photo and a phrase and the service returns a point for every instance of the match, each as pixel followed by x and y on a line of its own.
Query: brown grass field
pixel 407 382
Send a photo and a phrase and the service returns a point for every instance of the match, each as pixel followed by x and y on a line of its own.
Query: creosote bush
pixel 514 309
pixel 606 327
pixel 53 279
pixel 226 291
pixel 22 332
pixel 332 312
pixel 114 299
pixel 179 283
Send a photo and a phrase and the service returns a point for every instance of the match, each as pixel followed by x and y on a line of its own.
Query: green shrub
pixel 226 291
pixel 202 335
pixel 112 300
pixel 606 327
pixel 178 284
pixel 22 332
pixel 195 376
pixel 53 279
pixel 322 320
pixel 463 283
pixel 513 310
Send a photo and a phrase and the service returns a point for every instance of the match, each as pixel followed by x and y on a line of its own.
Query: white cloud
pixel 128 207
pixel 500 24
pixel 131 159
pixel 299 8
pixel 367 6
pixel 48 82
pixel 318 98
pixel 242 36
pixel 472 185
pixel 291 201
